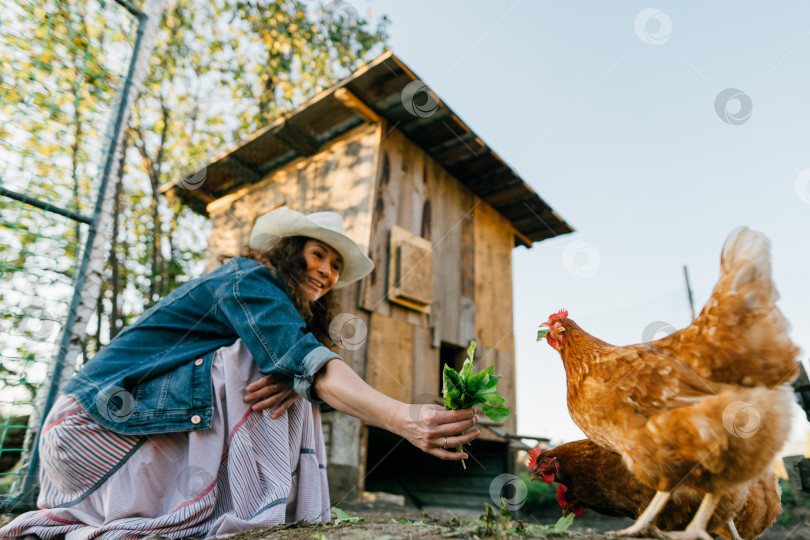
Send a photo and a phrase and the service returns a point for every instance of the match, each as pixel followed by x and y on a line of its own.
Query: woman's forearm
pixel 339 386
pixel 428 427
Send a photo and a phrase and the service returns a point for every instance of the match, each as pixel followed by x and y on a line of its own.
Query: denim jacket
pixel 155 376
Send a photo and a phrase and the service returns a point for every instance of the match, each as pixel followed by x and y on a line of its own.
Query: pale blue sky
pixel 621 137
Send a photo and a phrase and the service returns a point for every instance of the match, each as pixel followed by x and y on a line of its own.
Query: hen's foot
pixel 689 534
pixel 637 531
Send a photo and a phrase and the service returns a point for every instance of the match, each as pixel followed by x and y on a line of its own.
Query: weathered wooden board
pixel 401 197
pixel 343 166
pixel 350 330
pixel 390 356
pixel 425 366
pixel 384 195
pixel 452 207
pixel 494 240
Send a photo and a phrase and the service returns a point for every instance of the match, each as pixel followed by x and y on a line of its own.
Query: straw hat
pixel 324 226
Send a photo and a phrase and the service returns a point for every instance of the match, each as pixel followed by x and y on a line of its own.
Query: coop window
pixel 451 355
pixel 410 270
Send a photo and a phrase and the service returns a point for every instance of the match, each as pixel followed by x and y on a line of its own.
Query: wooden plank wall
pixel 400 352
pixel 472 254
pixel 494 326
pixel 345 166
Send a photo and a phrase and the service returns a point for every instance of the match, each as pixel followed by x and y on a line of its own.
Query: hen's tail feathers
pixel 751 249
pixel 747 295
pixel 740 336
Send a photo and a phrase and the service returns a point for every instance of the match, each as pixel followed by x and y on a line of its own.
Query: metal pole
pixel 30 481
pixel 689 292
pixel 48 207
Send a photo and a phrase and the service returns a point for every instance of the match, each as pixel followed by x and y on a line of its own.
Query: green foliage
pixel 465 389
pixel 542 531
pixel 219 71
pixel 542 333
pixel 419 523
pixel 56 74
pixel 343 517
pixel 789 516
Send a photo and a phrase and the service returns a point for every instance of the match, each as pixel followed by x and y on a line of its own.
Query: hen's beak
pixel 535 474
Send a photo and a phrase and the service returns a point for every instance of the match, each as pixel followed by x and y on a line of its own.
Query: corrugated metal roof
pixel 436 129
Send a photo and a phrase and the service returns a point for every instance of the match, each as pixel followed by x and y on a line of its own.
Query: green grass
pixel 6 480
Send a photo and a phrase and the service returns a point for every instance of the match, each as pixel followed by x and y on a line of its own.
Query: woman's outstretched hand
pixel 269 391
pixel 428 427
pixel 437 431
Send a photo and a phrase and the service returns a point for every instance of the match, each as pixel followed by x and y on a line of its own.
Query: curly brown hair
pixel 287 258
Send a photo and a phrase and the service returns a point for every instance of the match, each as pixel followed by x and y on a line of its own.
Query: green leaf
pixel 563 523
pixel 466 369
pixel 496 414
pixel 490 395
pixel 471 350
pixel 479 380
pixel 343 517
pixel 542 333
pixel 452 388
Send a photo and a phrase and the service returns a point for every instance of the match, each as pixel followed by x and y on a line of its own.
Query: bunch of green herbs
pixel 466 389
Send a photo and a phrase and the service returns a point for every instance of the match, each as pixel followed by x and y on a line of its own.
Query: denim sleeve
pixel 275 334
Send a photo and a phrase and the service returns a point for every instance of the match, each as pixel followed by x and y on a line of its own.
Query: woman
pixel 156 435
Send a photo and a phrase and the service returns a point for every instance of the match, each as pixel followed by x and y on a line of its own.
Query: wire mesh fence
pixel 62 66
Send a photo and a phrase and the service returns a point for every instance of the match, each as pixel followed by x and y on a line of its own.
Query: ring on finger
pixel 445 443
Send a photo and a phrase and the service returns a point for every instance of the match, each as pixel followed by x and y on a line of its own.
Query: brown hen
pixel 708 407
pixel 595 478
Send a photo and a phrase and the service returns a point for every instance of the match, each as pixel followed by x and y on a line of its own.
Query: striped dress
pixel 248 470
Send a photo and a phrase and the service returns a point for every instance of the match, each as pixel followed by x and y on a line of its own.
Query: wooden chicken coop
pixel 439 213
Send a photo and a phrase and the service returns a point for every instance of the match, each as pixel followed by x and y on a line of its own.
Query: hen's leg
pixel 645 524
pixel 696 530
pixel 732 529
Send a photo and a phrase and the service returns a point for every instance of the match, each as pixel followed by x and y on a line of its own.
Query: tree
pixel 220 71
pixel 52 81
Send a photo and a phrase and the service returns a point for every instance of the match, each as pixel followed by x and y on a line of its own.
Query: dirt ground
pixel 389 522
pixel 382 521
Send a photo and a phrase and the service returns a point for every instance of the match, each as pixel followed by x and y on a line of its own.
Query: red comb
pixel 534 453
pixel 561 313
